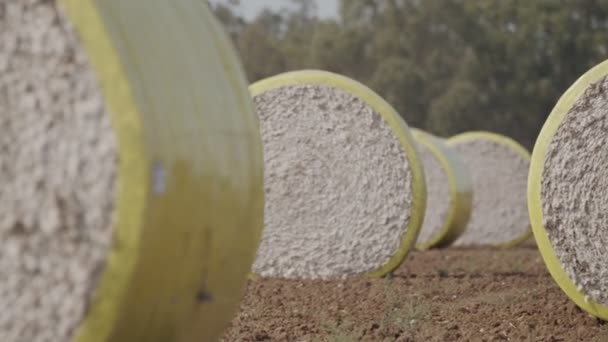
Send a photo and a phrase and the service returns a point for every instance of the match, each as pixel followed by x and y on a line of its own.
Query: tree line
pixel 447 66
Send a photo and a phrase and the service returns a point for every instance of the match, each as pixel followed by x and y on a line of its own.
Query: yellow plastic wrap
pixel 189 207
pixel 535 207
pixel 461 190
pixel 505 141
pixel 399 128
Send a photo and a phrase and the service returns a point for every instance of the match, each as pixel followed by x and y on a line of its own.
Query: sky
pixel 249 8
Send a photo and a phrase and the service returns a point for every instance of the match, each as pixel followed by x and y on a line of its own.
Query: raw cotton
pixel 438 195
pixel 574 192
pixel 338 184
pixel 499 174
pixel 57 172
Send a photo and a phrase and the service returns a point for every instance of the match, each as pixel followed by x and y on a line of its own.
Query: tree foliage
pixel 447 66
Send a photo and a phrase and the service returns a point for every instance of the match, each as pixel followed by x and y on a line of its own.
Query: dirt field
pixel 449 295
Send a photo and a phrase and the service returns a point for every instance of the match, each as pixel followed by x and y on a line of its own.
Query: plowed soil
pixel 438 295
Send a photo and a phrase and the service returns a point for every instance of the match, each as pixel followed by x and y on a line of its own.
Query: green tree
pixel 400 82
pixel 447 66
pixel 455 109
pixel 339 50
pixel 260 51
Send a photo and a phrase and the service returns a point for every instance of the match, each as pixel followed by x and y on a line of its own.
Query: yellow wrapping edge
pixel 461 191
pixel 250 275
pixel 150 290
pixel 535 210
pixel 400 129
pixel 132 170
pixel 505 141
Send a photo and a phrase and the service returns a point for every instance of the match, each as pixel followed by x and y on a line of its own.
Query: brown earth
pixel 439 295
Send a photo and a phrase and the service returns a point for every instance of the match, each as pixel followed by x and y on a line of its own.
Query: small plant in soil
pixel 403 313
pixel 443 273
pixel 410 315
pixel 344 332
pixel 340 336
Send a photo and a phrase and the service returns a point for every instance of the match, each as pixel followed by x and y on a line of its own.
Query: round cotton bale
pixel 449 192
pixel 568 192
pixel 131 172
pixel 345 191
pixel 499 170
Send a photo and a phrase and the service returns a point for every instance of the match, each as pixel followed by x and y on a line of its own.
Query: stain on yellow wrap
pixel 190 196
pixel 461 190
pixel 399 128
pixel 535 208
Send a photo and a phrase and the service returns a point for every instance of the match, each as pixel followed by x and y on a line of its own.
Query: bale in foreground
pixel 130 176
pixel 568 192
pixel 499 169
pixel 449 192
pixel 344 188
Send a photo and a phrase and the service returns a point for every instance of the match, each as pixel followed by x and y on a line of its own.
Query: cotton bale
pixel 568 192
pixel 131 174
pixel 499 169
pixel 449 192
pixel 345 191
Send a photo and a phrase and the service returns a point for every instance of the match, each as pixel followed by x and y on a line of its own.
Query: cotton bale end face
pixel 449 192
pixel 345 192
pixel 148 159
pixel 568 192
pixel 499 169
